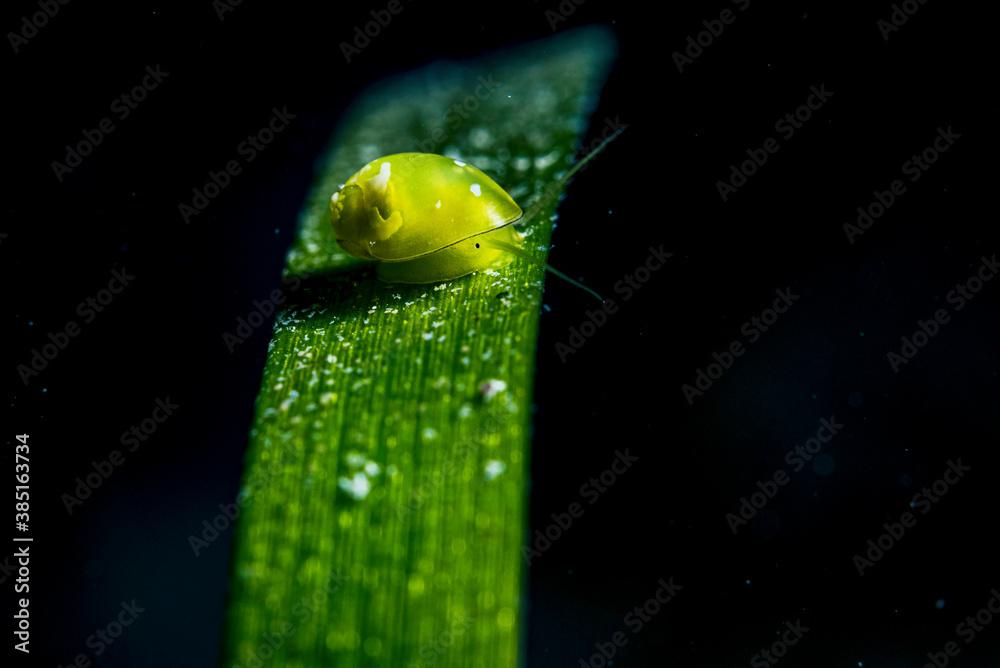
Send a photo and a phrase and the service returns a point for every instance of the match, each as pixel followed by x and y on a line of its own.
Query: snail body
pixel 425 218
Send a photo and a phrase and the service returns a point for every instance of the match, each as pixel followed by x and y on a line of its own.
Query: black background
pixel 162 337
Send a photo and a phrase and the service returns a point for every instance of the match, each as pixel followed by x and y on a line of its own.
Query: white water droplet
pixel 492 387
pixel 356 487
pixel 494 469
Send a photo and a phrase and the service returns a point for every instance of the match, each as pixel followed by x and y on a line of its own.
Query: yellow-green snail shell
pixel 425 218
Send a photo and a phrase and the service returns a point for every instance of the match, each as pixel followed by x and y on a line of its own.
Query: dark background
pixel 162 337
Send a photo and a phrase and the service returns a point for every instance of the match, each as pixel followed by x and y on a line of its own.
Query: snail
pixel 427 218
